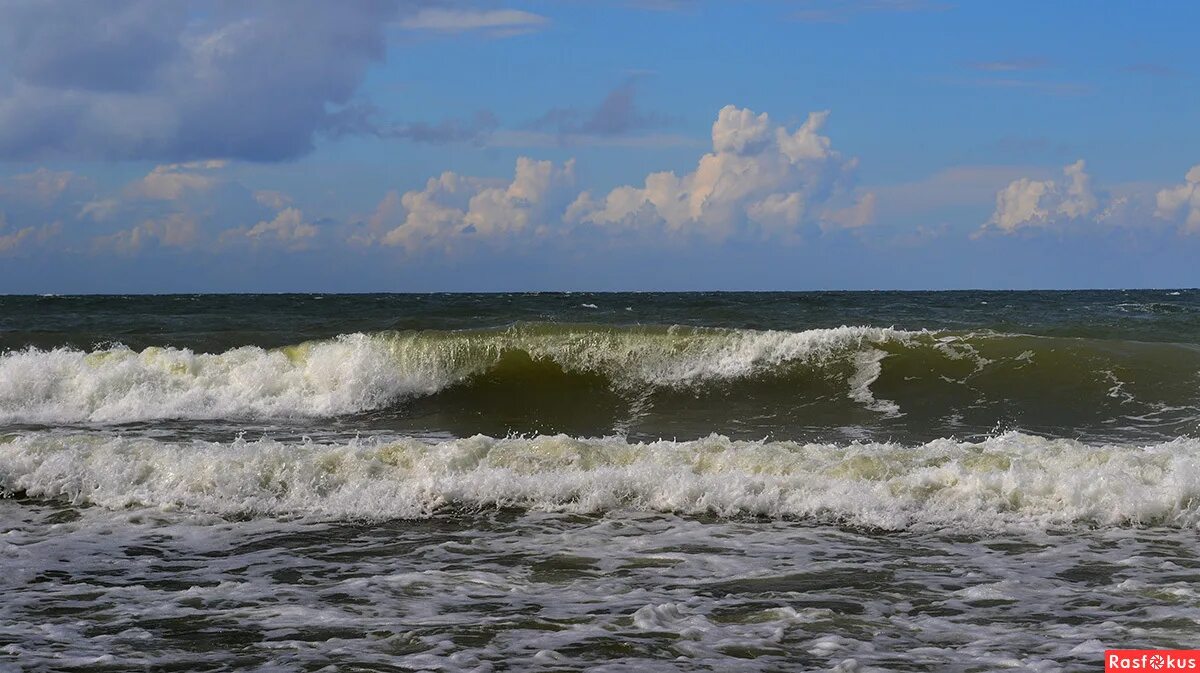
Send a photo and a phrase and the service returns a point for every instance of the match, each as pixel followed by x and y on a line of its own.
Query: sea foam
pixel 1012 479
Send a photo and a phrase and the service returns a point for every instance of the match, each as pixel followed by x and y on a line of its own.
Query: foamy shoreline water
pixel 96 589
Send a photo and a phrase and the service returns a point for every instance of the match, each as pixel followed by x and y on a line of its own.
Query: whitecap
pixel 1008 480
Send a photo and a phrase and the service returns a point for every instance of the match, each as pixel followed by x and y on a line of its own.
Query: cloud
pixel 1182 202
pixel 454 210
pixel 494 22
pixel 177 206
pixel 1041 203
pixel 288 228
pixel 1073 202
pixel 955 187
pixel 99 210
pixel 170 182
pixel 42 185
pixel 142 79
pixel 101 47
pixel 475 130
pixel 272 199
pixel 858 214
pixel 186 206
pixel 617 114
pixel 760 178
pixel 174 230
pixel 10 240
pixel 196 185
pixel 1027 204
pixel 33 205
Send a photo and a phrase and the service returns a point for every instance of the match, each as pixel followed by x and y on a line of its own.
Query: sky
pixel 428 146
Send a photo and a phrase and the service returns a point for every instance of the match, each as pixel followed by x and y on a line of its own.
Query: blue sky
pixel 572 144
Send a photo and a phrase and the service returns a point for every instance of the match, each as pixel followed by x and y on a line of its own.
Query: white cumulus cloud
pixel 1182 202
pixel 174 230
pixel 288 229
pixel 453 209
pixel 760 180
pixel 11 240
pixel 759 177
pixel 169 182
pixel 1042 203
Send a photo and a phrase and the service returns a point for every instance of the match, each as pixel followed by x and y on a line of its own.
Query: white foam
pixel 671 617
pixel 343 375
pixel 1009 480
pixel 868 367
pixel 994 591
pixel 360 372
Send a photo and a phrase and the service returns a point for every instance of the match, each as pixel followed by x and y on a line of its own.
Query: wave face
pixel 595 380
pixel 362 372
pixel 1005 481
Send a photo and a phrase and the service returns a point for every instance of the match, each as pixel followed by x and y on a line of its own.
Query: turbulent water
pixel 821 481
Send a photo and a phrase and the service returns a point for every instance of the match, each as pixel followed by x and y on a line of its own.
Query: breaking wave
pixel 1008 480
pixel 838 372
pixel 362 372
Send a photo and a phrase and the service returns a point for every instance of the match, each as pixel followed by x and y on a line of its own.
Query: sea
pixel 822 481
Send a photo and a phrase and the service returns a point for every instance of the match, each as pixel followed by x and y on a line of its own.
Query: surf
pixel 543 376
pixel 1010 480
pixel 361 372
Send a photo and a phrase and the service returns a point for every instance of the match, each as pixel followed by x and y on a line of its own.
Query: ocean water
pixel 890 481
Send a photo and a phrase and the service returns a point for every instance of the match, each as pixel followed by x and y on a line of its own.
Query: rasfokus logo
pixel 1151 660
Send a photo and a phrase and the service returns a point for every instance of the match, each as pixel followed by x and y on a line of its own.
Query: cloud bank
pixel 761 181
pixel 1027 204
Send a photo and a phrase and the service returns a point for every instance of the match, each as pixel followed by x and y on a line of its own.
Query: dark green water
pixel 957 481
pixel 213 323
